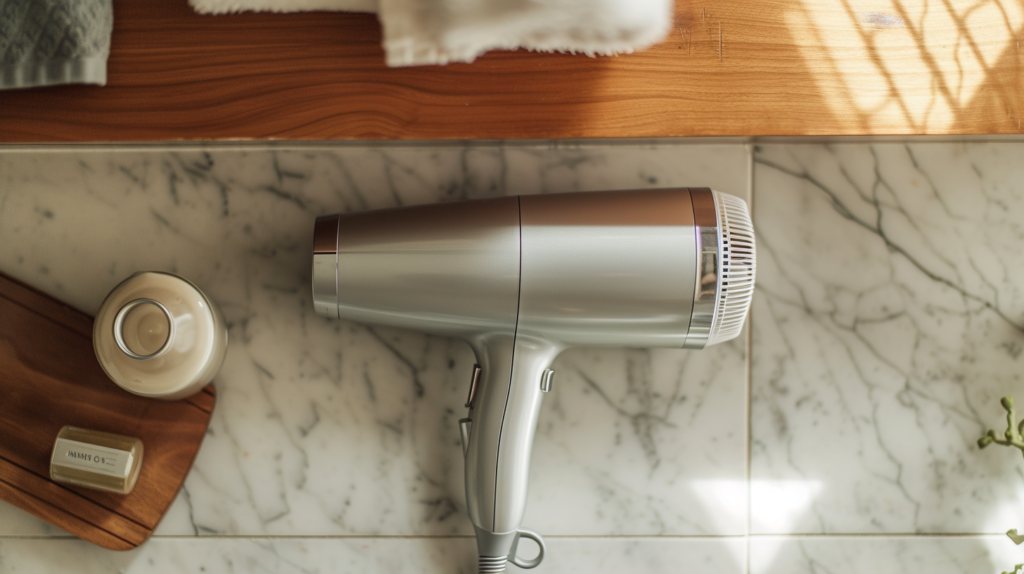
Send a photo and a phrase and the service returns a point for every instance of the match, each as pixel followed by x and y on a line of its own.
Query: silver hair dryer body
pixel 521 279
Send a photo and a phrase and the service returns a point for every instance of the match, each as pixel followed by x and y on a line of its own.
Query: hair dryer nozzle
pixel 738 268
pixel 726 268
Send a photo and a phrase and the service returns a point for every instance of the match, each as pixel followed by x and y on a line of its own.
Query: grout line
pixel 750 356
pixel 328 145
pixel 805 535
pixel 696 537
pixel 928 535
pixel 467 536
pixel 282 145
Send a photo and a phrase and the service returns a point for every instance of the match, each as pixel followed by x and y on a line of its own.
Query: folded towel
pixel 440 31
pixel 418 32
pixel 45 42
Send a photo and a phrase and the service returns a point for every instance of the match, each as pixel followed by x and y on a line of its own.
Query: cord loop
pixel 532 562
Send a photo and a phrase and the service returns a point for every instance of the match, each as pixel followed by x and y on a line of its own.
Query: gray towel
pixel 45 42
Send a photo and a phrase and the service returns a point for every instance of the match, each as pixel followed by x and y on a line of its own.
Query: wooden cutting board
pixel 49 377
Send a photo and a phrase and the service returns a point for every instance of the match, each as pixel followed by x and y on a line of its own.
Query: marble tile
pixel 888 322
pixel 330 428
pixel 440 555
pixel 883 555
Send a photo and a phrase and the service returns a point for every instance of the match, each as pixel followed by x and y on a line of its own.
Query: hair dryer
pixel 521 279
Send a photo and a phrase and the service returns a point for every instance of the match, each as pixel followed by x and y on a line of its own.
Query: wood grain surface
pixel 49 377
pixel 729 68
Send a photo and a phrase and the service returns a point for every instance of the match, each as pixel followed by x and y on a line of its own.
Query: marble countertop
pixel 837 435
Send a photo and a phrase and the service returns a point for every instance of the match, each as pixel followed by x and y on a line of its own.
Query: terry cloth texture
pixel 46 42
pixel 418 32
pixel 440 31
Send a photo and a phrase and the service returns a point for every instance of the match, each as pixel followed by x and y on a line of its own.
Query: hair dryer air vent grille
pixel 738 266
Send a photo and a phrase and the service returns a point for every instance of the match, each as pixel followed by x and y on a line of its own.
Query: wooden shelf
pixel 730 68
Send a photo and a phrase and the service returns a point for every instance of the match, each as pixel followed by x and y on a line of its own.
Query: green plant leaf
pixel 1012 435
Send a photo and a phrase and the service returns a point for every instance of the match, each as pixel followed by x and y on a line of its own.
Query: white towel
pixel 418 32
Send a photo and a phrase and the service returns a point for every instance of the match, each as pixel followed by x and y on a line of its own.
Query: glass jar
pixel 157 335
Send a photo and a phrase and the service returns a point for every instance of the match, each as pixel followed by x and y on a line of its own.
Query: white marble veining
pixel 888 322
pixel 327 428
pixel 883 555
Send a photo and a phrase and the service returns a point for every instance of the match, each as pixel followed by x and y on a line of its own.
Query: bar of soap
pixel 97 460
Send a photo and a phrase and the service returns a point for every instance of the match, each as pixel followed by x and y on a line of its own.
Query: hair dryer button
pixel 465 427
pixel 472 385
pixel 545 380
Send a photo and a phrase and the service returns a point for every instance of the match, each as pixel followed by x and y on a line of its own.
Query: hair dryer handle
pixel 504 419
